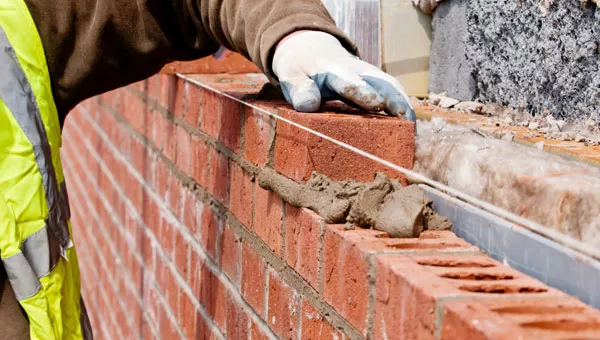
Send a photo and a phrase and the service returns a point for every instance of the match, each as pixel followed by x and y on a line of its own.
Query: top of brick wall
pixel 195 154
pixel 228 62
pixel 296 153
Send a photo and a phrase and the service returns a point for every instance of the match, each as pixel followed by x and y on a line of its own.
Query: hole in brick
pixel 538 309
pixel 420 245
pixel 455 263
pixel 477 276
pixel 563 325
pixel 436 234
pixel 502 289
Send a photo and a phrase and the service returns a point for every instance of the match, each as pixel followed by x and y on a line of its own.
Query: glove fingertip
pixel 307 97
pixel 411 115
pixel 399 107
pixel 307 105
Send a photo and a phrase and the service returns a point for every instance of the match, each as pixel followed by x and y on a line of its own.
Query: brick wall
pixel 177 240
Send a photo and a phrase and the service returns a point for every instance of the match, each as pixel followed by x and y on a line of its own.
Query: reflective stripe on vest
pixel 35 243
pixel 17 95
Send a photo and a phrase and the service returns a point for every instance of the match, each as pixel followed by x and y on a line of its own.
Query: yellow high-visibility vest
pixel 35 234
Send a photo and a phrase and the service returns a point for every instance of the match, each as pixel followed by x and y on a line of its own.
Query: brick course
pixel 177 240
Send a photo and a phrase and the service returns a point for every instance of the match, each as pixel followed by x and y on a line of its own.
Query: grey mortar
pixel 383 204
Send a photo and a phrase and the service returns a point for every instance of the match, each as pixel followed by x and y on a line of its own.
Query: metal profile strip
pixel 530 253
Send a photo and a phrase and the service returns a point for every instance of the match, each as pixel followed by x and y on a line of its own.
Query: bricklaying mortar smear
pixel 417 178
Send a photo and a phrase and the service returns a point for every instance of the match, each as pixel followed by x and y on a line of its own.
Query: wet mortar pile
pixel 384 204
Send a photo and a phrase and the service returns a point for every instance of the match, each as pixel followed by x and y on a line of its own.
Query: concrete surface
pixel 449 69
pixel 519 53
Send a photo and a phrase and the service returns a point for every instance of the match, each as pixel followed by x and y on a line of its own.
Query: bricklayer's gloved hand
pixel 426 6
pixel 313 67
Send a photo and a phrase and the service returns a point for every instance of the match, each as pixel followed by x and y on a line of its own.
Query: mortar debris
pixel 384 204
pixel 585 131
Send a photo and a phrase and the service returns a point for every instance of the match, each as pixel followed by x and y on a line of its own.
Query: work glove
pixel 426 6
pixel 313 67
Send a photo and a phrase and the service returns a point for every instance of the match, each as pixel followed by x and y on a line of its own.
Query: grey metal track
pixel 530 253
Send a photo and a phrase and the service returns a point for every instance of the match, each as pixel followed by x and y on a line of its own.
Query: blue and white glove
pixel 426 6
pixel 313 67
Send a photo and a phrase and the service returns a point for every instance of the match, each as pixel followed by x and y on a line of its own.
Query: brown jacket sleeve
pixel 93 46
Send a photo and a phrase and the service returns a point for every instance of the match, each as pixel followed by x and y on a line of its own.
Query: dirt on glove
pixel 383 204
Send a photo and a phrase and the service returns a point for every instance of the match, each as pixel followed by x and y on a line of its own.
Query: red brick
pixel 376 241
pixel 268 214
pixel 218 182
pixel 237 320
pixel 229 62
pixel 210 231
pixel 407 292
pixel 132 224
pixel 463 261
pixel 181 250
pixel 175 196
pixel 302 242
pixel 213 297
pixel 199 165
pixel 140 86
pixel 167 284
pixel 455 327
pixel 298 153
pixel 169 142
pixel 258 136
pixel 153 87
pixel 240 200
pixel 184 150
pixel 284 308
pixel 166 236
pixel 230 255
pixel 498 279
pixel 177 102
pixel 138 155
pixel 524 319
pixel 167 329
pixel 165 95
pixel 195 276
pixel 559 318
pixel 231 121
pixel 257 333
pixel 187 317
pixel 253 279
pixel 147 331
pixel 346 277
pixel 160 178
pixel 203 332
pixel 402 308
pixel 134 109
pixel 156 128
pixel 193 95
pixel 191 212
pixel 314 325
pixel 210 114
